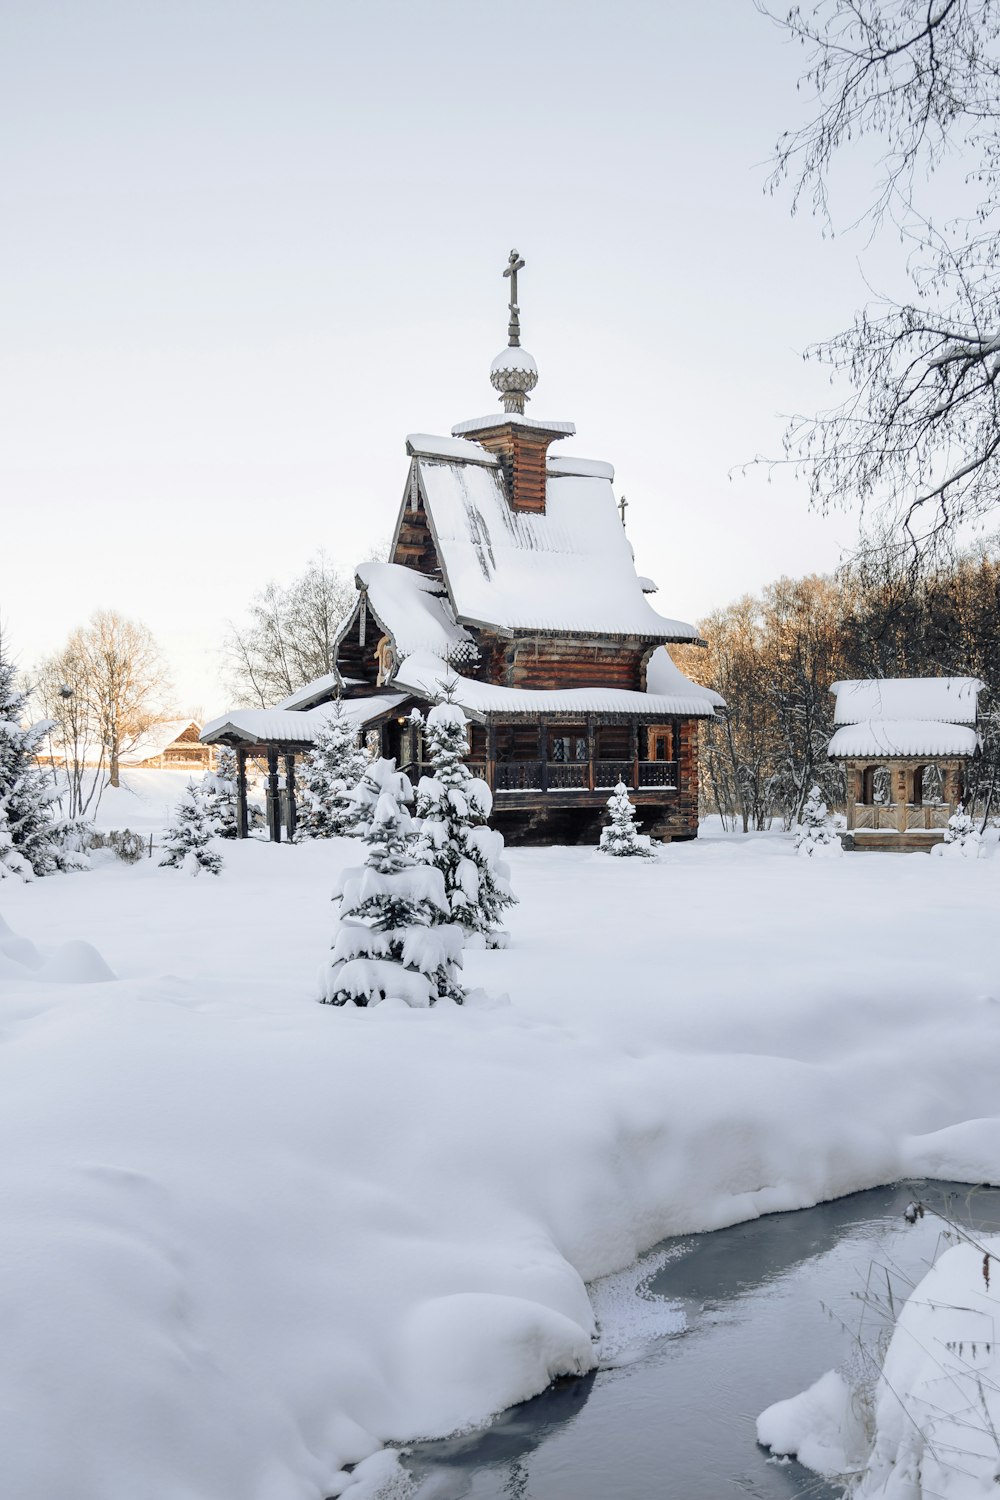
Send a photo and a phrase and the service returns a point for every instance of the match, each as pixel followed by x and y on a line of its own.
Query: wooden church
pixel 511 584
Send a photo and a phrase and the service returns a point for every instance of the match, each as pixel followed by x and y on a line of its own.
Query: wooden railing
pixel 894 817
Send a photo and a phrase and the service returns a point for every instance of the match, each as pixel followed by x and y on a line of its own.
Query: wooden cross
pixel 514 264
pixel 622 507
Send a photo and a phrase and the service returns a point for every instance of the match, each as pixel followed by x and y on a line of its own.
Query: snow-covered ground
pixel 248 1238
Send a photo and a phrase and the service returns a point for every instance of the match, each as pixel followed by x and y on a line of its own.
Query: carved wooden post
pixel 543 755
pixel 899 795
pixel 273 803
pixel 241 792
pixel 590 754
pixel 633 736
pixel 290 795
pixel 491 756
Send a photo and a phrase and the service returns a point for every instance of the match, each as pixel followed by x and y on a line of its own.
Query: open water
pixel 767 1308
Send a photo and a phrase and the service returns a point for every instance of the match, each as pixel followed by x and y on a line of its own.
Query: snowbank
pixel 249 1238
pixel 937 1407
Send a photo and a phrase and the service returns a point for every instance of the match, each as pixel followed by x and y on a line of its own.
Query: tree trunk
pixel 114 766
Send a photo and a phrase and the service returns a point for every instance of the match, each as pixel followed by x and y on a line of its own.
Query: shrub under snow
pixel 816 835
pixel 961 838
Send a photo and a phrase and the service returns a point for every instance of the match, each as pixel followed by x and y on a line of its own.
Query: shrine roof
pixel 948 700
pixel 886 739
pixel 293 726
pixel 568 570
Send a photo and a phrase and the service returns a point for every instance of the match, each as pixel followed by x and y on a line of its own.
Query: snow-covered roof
pixel 569 569
pixel 293 726
pixel 157 738
pixel 949 700
pixel 665 678
pixel 425 675
pixel 322 687
pixel 508 418
pixel 415 610
pixel 886 738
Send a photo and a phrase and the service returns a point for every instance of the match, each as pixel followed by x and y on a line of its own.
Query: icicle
pixel 363 619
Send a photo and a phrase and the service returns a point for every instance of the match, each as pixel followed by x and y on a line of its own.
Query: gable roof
pixel 567 570
pixel 945 700
pixel 887 738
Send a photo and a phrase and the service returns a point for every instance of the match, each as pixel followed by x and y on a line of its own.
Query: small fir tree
pixel 219 793
pixel 390 942
pixel 816 835
pixel 29 843
pixel 455 806
pixel 620 835
pixel 331 772
pixel 961 837
pixel 188 841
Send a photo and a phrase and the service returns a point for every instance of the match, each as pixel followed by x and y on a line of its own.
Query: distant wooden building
pixel 905 744
pixel 511 582
pixel 174 745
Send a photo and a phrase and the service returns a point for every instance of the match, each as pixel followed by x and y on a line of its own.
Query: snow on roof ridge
pixel 425 675
pixel 508 418
pixel 427 445
pixel 589 468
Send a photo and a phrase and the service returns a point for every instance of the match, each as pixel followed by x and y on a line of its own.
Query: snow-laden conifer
pixel 219 793
pixel 620 835
pixel 28 835
pixel 961 837
pixel 187 842
pixel 330 774
pixel 454 806
pixel 379 776
pixel 816 835
pixel 390 942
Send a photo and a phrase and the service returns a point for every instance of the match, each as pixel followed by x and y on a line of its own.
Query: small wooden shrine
pixel 905 744
pixel 511 583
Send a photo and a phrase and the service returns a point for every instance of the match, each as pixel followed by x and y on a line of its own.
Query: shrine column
pixel 241 792
pixel 290 796
pixel 900 792
pixel 273 800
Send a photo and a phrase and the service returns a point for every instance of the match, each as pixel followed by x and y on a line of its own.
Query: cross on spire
pixel 514 264
pixel 622 507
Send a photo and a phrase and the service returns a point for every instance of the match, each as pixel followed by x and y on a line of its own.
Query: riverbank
pixel 252 1238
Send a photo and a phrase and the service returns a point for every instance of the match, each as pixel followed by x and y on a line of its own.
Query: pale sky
pixel 247 247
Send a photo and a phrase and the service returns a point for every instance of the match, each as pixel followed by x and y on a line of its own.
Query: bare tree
pixel 74 741
pixel 289 637
pixel 117 678
pixel 919 437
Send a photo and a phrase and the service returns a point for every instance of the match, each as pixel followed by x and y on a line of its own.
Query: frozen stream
pixel 763 1309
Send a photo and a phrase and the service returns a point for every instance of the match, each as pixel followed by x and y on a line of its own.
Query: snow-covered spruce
pixel 380 776
pixel 620 836
pixel 390 942
pixel 29 843
pixel 330 774
pixel 454 806
pixel 960 837
pixel 816 834
pixel 187 842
